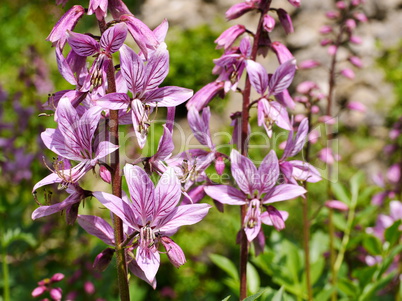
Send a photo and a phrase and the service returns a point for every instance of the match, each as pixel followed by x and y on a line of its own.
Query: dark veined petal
pixel 283 192
pixel 268 172
pixel 82 44
pixel 114 101
pixel 200 125
pixel 141 192
pixel 244 172
pixel 282 77
pixel 98 227
pixel 157 68
pixel 258 76
pixel 132 69
pixel 167 195
pixel 165 146
pixel 225 194
pixel 64 67
pixel 113 38
pixel 170 96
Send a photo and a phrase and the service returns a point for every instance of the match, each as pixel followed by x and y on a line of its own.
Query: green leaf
pixel 372 288
pixel 365 275
pixel 253 279
pixel 340 193
pixel 293 263
pixel 226 265
pixel 324 294
pixel 227 298
pixel 348 287
pixel 255 296
pixel 355 182
pixel 339 221
pixel 316 269
pixel 278 295
pixel 393 234
pixel 372 244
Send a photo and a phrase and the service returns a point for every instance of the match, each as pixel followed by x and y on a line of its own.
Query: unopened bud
pixel 103 259
pixel 173 251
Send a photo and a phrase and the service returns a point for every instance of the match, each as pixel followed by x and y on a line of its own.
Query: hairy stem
pixel 243 147
pixel 116 185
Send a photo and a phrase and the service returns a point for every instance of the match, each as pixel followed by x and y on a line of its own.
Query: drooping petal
pixel 48 210
pixel 114 101
pixel 66 22
pixel 183 215
pixel 170 96
pixel 143 36
pixel 268 172
pixel 203 96
pixel 283 192
pixel 140 119
pixel 258 76
pixel 300 137
pixel 50 179
pixel 113 38
pixel 157 68
pixel 99 7
pixel 282 77
pixel 161 30
pixel 141 192
pixel 225 194
pixel 98 227
pixel 283 54
pixel 167 195
pixel 269 220
pixel 148 262
pixel 239 9
pixel 200 125
pixel 132 69
pixel 165 146
pixel 104 148
pixel 118 206
pixel 82 44
pixel 244 172
pixel 137 271
pixel 64 68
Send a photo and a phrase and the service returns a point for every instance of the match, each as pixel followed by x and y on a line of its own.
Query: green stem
pixel 332 250
pixel 6 281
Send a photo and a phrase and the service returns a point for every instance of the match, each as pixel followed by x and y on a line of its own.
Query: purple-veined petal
pixel 141 192
pixel 50 179
pixel 258 76
pixel 285 20
pixel 117 8
pixel 268 172
pixel 266 218
pixel 137 271
pixel 48 210
pixel 283 54
pixel 285 99
pixel 64 68
pixel 165 146
pixel 282 77
pixel 300 138
pixel 98 227
pixel 203 96
pixel 252 233
pixel 87 126
pixel 99 7
pixel 143 36
pixel 283 192
pixel 244 172
pixel 225 194
pixel 238 10
pixel 227 38
pixel 140 119
pixel 118 206
pixel 104 148
pixel 170 96
pixel 56 142
pixel 82 44
pixel 157 68
pixel 148 262
pixel 303 171
pixel 161 30
pixel 200 125
pixel 183 215
pixel 114 101
pixel 113 38
pixel 66 22
pixel 167 195
pixel 132 69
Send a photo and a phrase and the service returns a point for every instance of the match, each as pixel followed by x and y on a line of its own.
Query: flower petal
pixel 283 192
pixel 132 69
pixel 169 96
pixel 141 192
pixel 282 77
pixel 148 262
pixel 82 44
pixel 157 68
pixel 113 38
pixel 258 76
pixel 225 194
pixel 98 227
pixel 268 172
pixel 244 172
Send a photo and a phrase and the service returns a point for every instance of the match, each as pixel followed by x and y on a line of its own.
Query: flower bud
pixel 227 38
pixel 325 29
pixel 332 49
pixel 105 174
pixel 359 16
pixel 332 14
pixel 283 54
pixel 57 277
pixel 56 293
pixel 103 259
pixel 348 73
pixel 89 287
pixel 341 5
pixel 285 20
pixel 173 251
pixel 356 61
pixel 276 218
pixel 356 106
pixel 269 23
pixel 38 291
pixel 350 24
pixel 308 64
pixel 356 40
pixel 295 3
pixel 337 205
pixel 220 165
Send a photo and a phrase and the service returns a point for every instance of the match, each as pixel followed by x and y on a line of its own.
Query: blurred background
pixel 34 250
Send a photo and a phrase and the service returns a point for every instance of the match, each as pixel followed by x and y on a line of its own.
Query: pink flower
pixel 348 73
pixel 227 38
pixel 338 205
pixel 356 106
